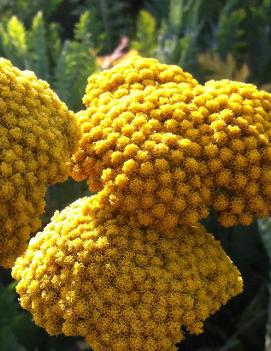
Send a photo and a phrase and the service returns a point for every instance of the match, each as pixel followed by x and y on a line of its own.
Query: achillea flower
pixel 159 145
pixel 37 135
pixel 140 146
pixel 136 73
pixel 98 274
pixel 239 150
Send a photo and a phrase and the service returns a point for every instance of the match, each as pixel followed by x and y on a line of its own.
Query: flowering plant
pixel 132 268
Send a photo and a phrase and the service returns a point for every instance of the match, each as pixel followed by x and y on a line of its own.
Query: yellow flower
pixel 154 124
pixel 37 136
pixel 148 154
pixel 125 285
pixel 240 140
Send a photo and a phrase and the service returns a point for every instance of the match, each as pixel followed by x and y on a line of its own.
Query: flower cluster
pixel 130 268
pixel 236 148
pixel 136 73
pixel 159 145
pixel 139 144
pixel 98 274
pixel 37 135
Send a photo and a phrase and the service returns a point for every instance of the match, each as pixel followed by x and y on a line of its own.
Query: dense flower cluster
pixel 98 274
pixel 37 135
pixel 136 73
pixel 137 144
pixel 159 145
pixel 236 148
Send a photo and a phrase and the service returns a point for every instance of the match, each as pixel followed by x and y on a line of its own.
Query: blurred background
pixel 64 41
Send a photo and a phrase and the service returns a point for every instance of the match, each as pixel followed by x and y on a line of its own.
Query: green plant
pixel 145 41
pixel 65 64
pixel 175 37
pixel 25 11
pixel 214 67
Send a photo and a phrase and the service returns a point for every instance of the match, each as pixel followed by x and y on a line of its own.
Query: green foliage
pixel 17 333
pixel 75 64
pixel 54 43
pixel 258 38
pixel 158 8
pixel 65 64
pixel 170 38
pixel 37 47
pixel 26 10
pixel 146 34
pixel 214 67
pixel 245 317
pixel 110 20
pixel 179 32
pixel 236 32
pixel 61 195
pixel 13 41
pixel 230 33
pixel 114 23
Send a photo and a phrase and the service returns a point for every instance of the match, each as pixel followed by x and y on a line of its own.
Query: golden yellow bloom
pixel 151 128
pixel 98 274
pixel 146 140
pixel 239 149
pixel 137 73
pixel 37 135
pixel 145 121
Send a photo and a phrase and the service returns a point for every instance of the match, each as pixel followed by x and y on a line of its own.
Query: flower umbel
pixel 100 275
pixel 140 144
pixel 238 151
pixel 159 145
pixel 37 136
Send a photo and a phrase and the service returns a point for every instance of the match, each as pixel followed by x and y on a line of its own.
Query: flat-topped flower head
pixel 100 275
pixel 139 144
pixel 134 73
pixel 236 149
pixel 37 136
pixel 162 147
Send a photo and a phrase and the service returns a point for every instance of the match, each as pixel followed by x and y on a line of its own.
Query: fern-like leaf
pixel 75 64
pixel 37 45
pixel 82 28
pixel 146 34
pixel 54 43
pixel 14 42
pixel 230 32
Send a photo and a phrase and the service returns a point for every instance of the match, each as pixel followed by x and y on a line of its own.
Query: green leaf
pixel 178 34
pixel 176 13
pixel 230 33
pixel 13 42
pixel 17 34
pixel 233 344
pixel 158 8
pixel 54 43
pixel 38 47
pixel 82 27
pixel 26 10
pixel 146 36
pixel 74 66
pixel 75 63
